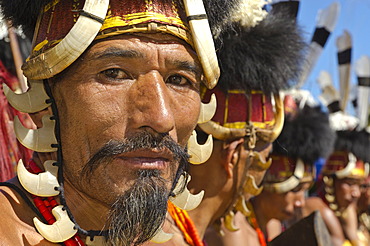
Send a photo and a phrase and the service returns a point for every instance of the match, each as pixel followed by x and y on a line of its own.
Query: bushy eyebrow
pixel 117 52
pixel 185 65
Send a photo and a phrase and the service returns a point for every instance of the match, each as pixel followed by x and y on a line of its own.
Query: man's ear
pixel 232 150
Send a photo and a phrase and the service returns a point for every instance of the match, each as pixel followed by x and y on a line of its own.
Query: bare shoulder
pixel 314 203
pixel 16 220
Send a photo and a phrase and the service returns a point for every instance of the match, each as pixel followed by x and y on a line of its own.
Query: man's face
pixel 127 108
pixel 286 203
pixel 347 191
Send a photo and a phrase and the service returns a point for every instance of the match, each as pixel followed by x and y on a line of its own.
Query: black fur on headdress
pixel 25 12
pixel 267 57
pixel 307 136
pixel 357 142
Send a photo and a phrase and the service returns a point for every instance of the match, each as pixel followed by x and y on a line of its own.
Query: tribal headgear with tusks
pixel 63 29
pixel 350 159
pixel 305 138
pixel 256 63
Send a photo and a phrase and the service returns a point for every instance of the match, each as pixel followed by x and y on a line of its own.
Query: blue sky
pixel 354 17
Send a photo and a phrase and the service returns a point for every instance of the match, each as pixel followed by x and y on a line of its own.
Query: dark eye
pixel 177 80
pixel 115 73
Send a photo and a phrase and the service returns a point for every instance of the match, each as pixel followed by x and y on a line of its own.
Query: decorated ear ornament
pixel 161 236
pixel 199 153
pixel 43 184
pixel 270 135
pixel 84 31
pixel 241 206
pixel 61 230
pixel 259 163
pixel 345 172
pixel 203 40
pixel 40 140
pixel 207 111
pixel 291 182
pixel 251 186
pixel 34 100
pixel 229 221
pixel 185 200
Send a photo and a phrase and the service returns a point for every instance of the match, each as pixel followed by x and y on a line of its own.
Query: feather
pixel 266 57
pixel 325 22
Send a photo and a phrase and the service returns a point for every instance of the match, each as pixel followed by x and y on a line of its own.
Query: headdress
pixel 306 137
pixel 350 156
pixel 64 29
pixel 256 63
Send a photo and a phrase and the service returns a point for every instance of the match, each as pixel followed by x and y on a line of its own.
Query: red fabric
pixel 10 149
pixel 58 18
pixel 239 107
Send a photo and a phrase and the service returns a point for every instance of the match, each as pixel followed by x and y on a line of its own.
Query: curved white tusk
pixel 56 59
pixel 270 135
pixel 42 184
pixel 207 111
pixel 39 140
pixel 241 206
pixel 61 230
pixel 161 236
pixel 229 222
pixel 291 182
pixel 345 172
pixel 185 200
pixel 203 40
pixel 32 101
pixel 251 186
pixel 367 169
pixel 199 153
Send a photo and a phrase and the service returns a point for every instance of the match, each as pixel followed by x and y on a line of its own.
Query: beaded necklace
pixel 46 204
pixel 185 224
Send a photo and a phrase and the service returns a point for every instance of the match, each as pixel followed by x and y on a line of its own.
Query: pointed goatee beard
pixel 137 214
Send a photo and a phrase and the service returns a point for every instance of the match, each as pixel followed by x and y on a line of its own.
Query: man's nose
pixel 355 191
pixel 151 104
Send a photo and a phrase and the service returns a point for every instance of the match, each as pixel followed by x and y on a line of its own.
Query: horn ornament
pixel 42 184
pixel 185 200
pixel 345 172
pixel 61 230
pixel 270 135
pixel 264 165
pixel 251 186
pixel 32 101
pixel 199 153
pixel 203 40
pixel 40 140
pixel 56 59
pixel 291 182
pixel 241 206
pixel 161 236
pixel 207 111
pixel 229 222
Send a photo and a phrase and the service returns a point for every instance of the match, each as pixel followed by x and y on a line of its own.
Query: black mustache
pixel 141 141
